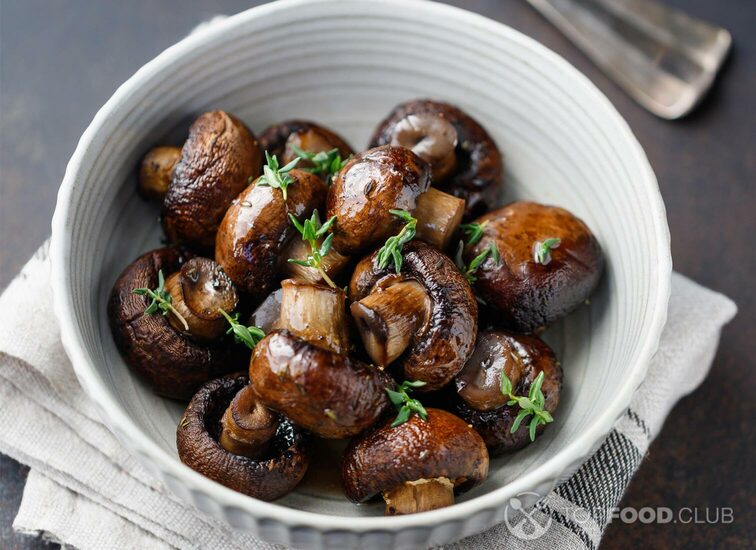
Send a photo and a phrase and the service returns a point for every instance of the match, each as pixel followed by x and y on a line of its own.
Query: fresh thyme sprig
pixel 468 271
pixel 161 300
pixel 542 250
pixel 276 177
pixel 531 405
pixel 392 250
pixel 312 230
pixel 247 335
pixel 405 404
pixel 473 231
pixel 326 163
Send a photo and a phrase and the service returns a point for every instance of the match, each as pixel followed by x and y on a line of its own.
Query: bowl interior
pixel 346 66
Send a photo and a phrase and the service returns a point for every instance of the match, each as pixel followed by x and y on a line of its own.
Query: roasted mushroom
pixel 220 433
pixel 253 235
pixel 302 371
pixel 378 180
pixel 217 160
pixel 550 264
pixel 200 292
pixel 429 321
pixel 464 158
pixel 281 140
pixel 481 401
pixel 416 466
pixel 156 171
pixel 172 362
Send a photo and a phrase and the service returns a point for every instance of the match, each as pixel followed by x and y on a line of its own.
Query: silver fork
pixel 663 58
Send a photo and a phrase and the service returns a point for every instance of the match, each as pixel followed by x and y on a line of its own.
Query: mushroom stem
pixel 419 496
pixel 156 171
pixel 438 216
pixel 315 313
pixel 179 311
pixel 297 249
pixel 247 426
pixel 388 318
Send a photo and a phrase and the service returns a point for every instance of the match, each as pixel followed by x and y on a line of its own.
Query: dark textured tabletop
pixel 61 60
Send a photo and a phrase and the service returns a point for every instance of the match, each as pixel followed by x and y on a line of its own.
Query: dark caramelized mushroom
pixel 416 466
pixel 329 394
pixel 438 347
pixel 156 171
pixel 217 160
pixel 529 292
pixel 481 402
pixel 474 173
pixel 303 371
pixel 253 235
pixel 381 179
pixel 173 364
pixel 199 291
pixel 272 473
pixel 280 139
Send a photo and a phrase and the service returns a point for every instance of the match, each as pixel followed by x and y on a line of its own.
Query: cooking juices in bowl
pixel 349 287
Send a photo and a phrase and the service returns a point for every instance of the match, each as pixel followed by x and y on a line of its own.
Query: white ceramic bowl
pixel 346 64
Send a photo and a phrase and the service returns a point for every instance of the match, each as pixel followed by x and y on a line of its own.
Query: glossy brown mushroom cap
pixel 479 172
pixel 271 476
pixel 440 349
pixel 329 394
pixel 306 135
pixel 174 365
pixel 481 402
pixel 217 160
pixel 443 445
pixel 257 227
pixel 363 192
pixel 528 295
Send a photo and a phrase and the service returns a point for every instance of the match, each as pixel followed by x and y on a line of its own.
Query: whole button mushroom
pixel 200 291
pixel 175 361
pixel 302 370
pixel 416 466
pixel 285 138
pixel 255 231
pixel 156 171
pixel 464 158
pixel 217 160
pixel 550 264
pixel 426 316
pixel 226 436
pixel 483 404
pixel 373 183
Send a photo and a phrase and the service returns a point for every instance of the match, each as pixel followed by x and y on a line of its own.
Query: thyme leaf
pixel 406 405
pixel 247 335
pixel 542 250
pixel 532 405
pixel 326 163
pixel 391 251
pixel 312 231
pixel 161 300
pixel 275 176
